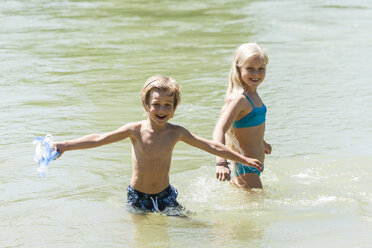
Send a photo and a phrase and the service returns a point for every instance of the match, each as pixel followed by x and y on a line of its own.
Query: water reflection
pixel 151 230
pixel 242 222
pixel 237 231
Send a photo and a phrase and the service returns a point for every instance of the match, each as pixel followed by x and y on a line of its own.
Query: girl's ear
pixel 238 69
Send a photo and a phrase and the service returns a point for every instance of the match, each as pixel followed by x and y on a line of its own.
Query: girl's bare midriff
pixel 251 141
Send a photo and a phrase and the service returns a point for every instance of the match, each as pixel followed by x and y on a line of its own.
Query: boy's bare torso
pixel 151 155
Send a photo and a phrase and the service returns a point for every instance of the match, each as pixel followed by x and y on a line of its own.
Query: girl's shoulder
pixel 237 99
pixel 239 105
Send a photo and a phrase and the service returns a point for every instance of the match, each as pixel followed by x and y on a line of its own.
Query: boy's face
pixel 160 106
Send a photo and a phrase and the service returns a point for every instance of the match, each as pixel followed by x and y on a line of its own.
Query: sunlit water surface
pixel 71 68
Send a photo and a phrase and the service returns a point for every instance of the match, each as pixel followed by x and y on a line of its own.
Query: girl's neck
pixel 250 90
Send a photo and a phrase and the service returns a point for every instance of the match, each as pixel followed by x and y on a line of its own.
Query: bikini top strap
pixel 249 99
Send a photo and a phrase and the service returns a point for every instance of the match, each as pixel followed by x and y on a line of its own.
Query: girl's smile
pixel 254 80
pixel 253 71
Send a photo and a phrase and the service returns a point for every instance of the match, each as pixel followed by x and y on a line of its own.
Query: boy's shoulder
pixel 176 128
pixel 132 126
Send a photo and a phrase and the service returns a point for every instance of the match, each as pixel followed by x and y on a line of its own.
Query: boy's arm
pixel 95 140
pixel 218 149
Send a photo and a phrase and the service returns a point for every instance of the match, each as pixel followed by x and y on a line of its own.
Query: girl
pixel 242 119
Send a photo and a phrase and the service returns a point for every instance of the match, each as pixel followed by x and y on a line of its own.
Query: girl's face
pixel 160 106
pixel 253 71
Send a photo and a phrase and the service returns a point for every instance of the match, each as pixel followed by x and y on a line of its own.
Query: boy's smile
pixel 160 107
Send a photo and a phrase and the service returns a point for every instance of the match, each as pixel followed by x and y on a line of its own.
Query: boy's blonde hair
pixel 163 83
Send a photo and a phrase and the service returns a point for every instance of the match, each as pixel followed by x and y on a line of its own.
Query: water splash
pixel 45 152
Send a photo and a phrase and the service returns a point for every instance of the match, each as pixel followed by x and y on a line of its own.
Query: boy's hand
pixel 60 147
pixel 254 163
pixel 267 148
pixel 223 172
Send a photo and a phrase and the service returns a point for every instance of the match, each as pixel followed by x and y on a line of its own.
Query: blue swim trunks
pixel 241 169
pixel 160 202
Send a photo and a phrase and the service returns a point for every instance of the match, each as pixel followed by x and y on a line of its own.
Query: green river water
pixel 72 67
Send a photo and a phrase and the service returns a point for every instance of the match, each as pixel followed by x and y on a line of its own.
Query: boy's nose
pixel 161 108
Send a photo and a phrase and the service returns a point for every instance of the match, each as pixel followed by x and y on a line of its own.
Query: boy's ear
pixel 145 112
pixel 146 107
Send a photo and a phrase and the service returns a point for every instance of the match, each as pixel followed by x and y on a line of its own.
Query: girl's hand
pixel 223 172
pixel 267 148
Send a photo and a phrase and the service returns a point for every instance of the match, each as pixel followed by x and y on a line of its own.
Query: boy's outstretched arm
pixel 218 149
pixel 94 140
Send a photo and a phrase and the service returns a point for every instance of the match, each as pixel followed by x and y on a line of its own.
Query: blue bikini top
pixel 255 118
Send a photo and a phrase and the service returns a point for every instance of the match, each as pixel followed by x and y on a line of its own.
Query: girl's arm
pixel 223 124
pixel 267 147
pixel 218 149
pixel 94 140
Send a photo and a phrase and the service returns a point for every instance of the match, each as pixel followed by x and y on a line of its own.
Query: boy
pixel 153 141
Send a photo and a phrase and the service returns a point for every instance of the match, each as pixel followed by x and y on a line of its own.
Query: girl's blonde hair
pixel 163 83
pixel 236 86
pixel 242 53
